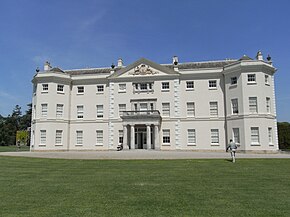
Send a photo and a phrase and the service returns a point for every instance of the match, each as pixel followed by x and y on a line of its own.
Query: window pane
pixel 214 136
pixel 236 135
pixel 189 85
pixel 255 135
pixel 166 136
pixel 235 106
pixel 191 136
pixel 190 109
pixel 42 136
pixel 100 111
pixel 213 108
pixel 44 110
pixel 99 137
pixel 80 111
pixel 212 83
pixel 253 105
pixel 58 137
pixel 166 109
pixel 79 137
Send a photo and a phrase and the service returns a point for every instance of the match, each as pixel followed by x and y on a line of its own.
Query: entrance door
pixel 140 137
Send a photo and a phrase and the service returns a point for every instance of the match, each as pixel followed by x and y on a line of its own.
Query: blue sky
pixel 91 33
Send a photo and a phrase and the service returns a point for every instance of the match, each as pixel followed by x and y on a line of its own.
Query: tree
pixel 284 135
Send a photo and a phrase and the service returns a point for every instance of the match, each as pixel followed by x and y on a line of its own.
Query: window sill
pixel 99 145
pixel 44 91
pixel 267 84
pixel 122 91
pixel 214 144
pixel 191 145
pixel 252 83
pixel 233 85
pixel 79 145
pixel 80 93
pixel 58 145
pixel 165 90
pixel 255 144
pixel 189 89
pixel 166 144
pixel 99 93
pixel 58 92
pixel 212 88
pixel 42 145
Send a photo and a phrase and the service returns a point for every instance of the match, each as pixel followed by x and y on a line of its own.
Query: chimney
pixel 175 63
pixel 259 55
pixel 112 68
pixel 269 60
pixel 47 66
pixel 120 62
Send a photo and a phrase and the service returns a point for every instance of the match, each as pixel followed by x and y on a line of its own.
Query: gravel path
pixel 141 154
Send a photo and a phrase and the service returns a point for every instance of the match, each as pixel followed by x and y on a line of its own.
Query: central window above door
pixel 143 87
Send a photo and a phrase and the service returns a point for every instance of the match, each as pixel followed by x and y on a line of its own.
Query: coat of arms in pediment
pixel 143 70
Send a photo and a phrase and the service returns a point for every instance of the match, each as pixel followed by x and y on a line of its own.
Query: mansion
pixel 145 105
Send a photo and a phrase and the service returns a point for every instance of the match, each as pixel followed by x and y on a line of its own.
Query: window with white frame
pixel 251 78
pixel 143 106
pixel 44 87
pixel 166 136
pixel 44 108
pixel 268 104
pixel 165 86
pixel 235 106
pixel 270 135
pixel 100 111
pixel 42 137
pixel 80 111
pixel 166 109
pixel 236 135
pixel 189 85
pixel 267 80
pixel 100 88
pixel 81 89
pixel 212 84
pixel 143 87
pixel 121 136
pixel 190 107
pixel 214 134
pixel 59 110
pixel 255 140
pixel 234 80
pixel 122 87
pixel 58 137
pixel 253 106
pixel 191 137
pixel 213 107
pixel 122 108
pixel 60 88
pixel 79 138
pixel 100 137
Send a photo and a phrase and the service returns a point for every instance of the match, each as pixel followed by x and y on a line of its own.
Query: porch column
pixel 125 138
pixel 132 137
pixel 148 134
pixel 156 136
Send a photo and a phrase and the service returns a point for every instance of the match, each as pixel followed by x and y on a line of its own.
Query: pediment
pixel 143 68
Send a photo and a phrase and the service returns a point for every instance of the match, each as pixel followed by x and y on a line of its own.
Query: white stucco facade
pixel 180 106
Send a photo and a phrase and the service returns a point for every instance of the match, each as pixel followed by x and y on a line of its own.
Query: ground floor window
pixel 166 136
pixel 191 139
pixel 42 137
pixel 121 136
pixel 214 133
pixel 58 137
pixel 79 137
pixel 100 137
pixel 255 140
pixel 270 135
pixel 236 135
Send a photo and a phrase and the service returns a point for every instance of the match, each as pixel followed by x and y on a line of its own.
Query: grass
pixel 13 148
pixel 54 187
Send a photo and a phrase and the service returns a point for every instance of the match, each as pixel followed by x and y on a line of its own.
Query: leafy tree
pixel 284 135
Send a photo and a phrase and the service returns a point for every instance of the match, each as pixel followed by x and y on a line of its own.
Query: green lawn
pixel 53 187
pixel 13 148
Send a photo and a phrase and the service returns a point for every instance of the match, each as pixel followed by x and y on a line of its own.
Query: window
pixel 143 107
pixel 100 88
pixel 267 80
pixel 99 137
pixel 166 136
pixel 270 135
pixel 122 108
pixel 190 109
pixel 34 88
pixel 166 109
pixel 251 78
pixel 214 134
pixel 234 80
pixel 236 135
pixel 212 84
pixel 255 135
pixel 58 137
pixel 189 85
pixel 213 107
pixel 122 87
pixel 43 137
pixel 81 89
pixel 143 87
pixel 59 110
pixel 165 86
pixel 253 105
pixel 121 136
pixel 44 87
pixel 235 106
pixel 79 137
pixel 268 104
pixel 100 111
pixel 80 111
pixel 191 139
pixel 44 110
pixel 60 88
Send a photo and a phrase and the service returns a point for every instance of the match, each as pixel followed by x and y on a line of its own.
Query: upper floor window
pixel 100 88
pixel 44 87
pixel 122 87
pixel 100 111
pixel 80 111
pixel 253 107
pixel 190 109
pixel 166 109
pixel 268 104
pixel 212 84
pixel 234 80
pixel 122 108
pixel 213 107
pixel 59 110
pixel 81 89
pixel 165 86
pixel 189 85
pixel 235 106
pixel 60 88
pixel 44 110
pixel 267 82
pixel 143 87
pixel 251 78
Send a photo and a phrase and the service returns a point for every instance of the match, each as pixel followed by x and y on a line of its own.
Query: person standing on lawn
pixel 232 147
